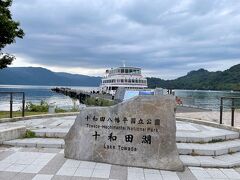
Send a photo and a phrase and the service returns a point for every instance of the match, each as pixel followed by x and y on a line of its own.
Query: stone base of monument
pixel 140 132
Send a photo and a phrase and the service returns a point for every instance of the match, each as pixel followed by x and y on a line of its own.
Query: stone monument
pixel 140 132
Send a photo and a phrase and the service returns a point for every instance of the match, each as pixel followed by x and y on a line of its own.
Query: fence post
pixel 221 110
pixel 23 105
pixel 233 109
pixel 11 105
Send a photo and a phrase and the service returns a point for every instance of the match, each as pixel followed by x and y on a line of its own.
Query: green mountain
pixel 202 80
pixel 42 76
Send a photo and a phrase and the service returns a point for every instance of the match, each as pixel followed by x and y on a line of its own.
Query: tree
pixel 9 30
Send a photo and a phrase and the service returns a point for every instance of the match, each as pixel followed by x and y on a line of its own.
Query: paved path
pixel 46 164
pixel 212 116
pixel 186 132
pixel 42 158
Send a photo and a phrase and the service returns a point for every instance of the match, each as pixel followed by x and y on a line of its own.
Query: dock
pixel 82 95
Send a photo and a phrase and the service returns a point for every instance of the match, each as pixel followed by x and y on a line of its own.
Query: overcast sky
pixel 166 38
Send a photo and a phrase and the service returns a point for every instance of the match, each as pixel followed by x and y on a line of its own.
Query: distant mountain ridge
pixel 202 80
pixel 42 76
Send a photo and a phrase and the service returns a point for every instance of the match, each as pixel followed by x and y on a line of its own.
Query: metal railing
pixel 232 108
pixel 11 102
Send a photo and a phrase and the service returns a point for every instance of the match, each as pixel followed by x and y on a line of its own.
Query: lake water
pixel 207 99
pixel 35 94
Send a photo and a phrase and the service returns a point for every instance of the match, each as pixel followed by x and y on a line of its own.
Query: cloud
pixel 166 38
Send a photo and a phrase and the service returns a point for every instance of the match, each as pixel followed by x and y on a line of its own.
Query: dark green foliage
pixel 5 60
pixel 30 134
pixel 59 110
pixel 202 80
pixel 42 107
pixel 98 102
pixel 9 30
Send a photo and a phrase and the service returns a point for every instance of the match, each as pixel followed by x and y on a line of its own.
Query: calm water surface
pixel 207 99
pixel 34 94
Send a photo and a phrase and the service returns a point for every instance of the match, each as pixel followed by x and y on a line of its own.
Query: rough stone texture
pixel 119 95
pixel 160 154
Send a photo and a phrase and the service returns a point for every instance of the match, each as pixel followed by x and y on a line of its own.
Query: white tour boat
pixel 126 77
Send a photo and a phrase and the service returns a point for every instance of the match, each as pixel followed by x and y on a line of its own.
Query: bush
pixel 59 110
pixel 98 102
pixel 43 107
pixel 74 109
pixel 30 134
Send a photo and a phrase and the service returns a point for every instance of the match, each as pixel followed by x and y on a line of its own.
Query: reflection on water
pixel 34 94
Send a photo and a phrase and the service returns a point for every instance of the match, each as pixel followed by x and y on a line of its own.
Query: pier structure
pixel 82 95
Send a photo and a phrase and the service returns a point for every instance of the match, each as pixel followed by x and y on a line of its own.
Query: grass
pixel 216 140
pixel 30 134
pixel 35 109
pixel 6 114
pixel 231 152
pixel 194 153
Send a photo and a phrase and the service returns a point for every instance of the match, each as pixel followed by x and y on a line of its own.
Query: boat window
pixel 129 80
pixel 126 70
pixel 125 80
pixel 130 70
pixel 122 70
